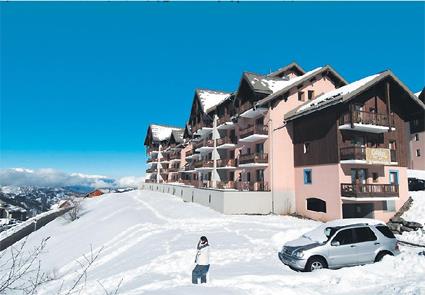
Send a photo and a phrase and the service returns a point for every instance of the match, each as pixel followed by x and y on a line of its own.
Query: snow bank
pixel 149 241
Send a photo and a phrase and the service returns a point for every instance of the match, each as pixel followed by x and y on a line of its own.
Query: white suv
pixel 339 243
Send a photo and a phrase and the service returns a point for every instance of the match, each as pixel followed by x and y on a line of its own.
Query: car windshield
pixel 319 234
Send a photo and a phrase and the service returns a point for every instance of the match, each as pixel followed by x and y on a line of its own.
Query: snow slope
pixel 149 241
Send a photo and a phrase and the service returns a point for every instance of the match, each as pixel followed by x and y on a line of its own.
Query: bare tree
pixel 75 211
pixel 23 269
pixel 24 272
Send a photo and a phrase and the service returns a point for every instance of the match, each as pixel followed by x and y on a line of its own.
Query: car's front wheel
pixel 316 263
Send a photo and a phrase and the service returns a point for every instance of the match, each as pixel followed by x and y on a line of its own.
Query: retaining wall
pixel 20 231
pixel 224 201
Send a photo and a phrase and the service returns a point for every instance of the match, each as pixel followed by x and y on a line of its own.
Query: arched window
pixel 315 204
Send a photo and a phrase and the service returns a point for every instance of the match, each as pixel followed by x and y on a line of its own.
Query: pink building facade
pixel 273 134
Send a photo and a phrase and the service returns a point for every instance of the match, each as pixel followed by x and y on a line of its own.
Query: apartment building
pixel 417 137
pixel 249 141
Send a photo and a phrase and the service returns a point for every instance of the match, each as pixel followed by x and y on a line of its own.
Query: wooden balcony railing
pixel 362 117
pixel 175 156
pixel 245 106
pixel 256 129
pixel 369 190
pixel 226 185
pixel 189 153
pixel 253 158
pixel 203 163
pixel 252 186
pixel 360 153
pixel 223 119
pixel 174 168
pixel 227 139
pixel 226 163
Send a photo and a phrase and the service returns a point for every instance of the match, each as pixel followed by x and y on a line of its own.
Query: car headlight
pixel 299 254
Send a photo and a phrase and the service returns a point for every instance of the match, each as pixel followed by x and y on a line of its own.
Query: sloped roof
pixel 178 135
pixel 210 99
pixel 344 94
pixel 288 84
pixel 286 68
pixel 161 132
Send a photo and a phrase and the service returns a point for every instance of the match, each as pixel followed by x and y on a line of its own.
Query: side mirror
pixel 335 243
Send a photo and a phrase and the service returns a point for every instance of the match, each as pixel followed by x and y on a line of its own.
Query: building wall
pixel 324 186
pixel 417 163
pixel 280 147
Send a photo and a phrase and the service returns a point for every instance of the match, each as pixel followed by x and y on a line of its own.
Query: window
pixel 315 204
pixel 307 176
pixel 259 121
pixel 416 137
pixel 310 94
pixel 389 205
pixel 394 177
pixel 344 237
pixel 232 154
pixel 259 148
pixel 385 231
pixel 418 153
pixel 301 95
pixel 375 177
pixel 248 176
pixel 232 176
pixel 392 145
pixel 364 234
pixel 260 175
pixel 306 148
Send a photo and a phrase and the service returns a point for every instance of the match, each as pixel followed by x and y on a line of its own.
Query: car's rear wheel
pixel 316 263
pixel 381 255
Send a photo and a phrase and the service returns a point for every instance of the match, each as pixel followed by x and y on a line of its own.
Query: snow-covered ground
pixel 149 242
pixel 416 213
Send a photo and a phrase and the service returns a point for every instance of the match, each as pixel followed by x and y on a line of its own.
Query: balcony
pixel 227 142
pixel 366 122
pixel 366 155
pixel 374 191
pixel 247 110
pixel 175 156
pixel 252 186
pixel 151 170
pixel 253 160
pixel 203 165
pixel 226 164
pixel 174 168
pixel 253 133
pixel 189 153
pixel 204 145
pixel 226 185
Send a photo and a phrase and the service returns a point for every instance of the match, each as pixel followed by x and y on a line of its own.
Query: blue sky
pixel 80 82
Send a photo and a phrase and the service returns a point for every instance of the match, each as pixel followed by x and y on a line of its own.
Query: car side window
pixel 364 234
pixel 344 237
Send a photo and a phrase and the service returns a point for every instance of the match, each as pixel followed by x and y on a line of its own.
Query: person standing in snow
pixel 202 261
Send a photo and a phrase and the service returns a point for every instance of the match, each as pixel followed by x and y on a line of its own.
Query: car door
pixel 342 251
pixel 366 244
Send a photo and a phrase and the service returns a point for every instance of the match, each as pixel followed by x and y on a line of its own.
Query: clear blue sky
pixel 80 82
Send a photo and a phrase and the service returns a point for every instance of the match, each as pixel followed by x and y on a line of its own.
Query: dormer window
pixel 310 94
pixel 300 95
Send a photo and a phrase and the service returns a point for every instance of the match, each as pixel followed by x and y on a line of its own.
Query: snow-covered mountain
pixel 37 189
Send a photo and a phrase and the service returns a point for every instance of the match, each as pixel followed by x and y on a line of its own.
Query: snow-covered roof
pixel 418 93
pixel 336 93
pixel 210 98
pixel 291 66
pixel 178 135
pixel 161 133
pixel 274 84
pixel 345 93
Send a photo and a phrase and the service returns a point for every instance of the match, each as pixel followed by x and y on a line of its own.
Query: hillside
pixel 149 242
